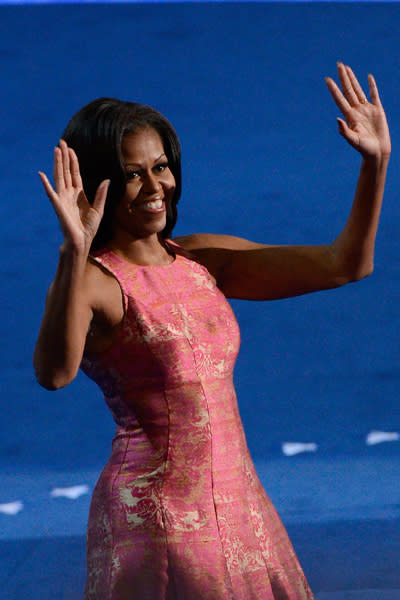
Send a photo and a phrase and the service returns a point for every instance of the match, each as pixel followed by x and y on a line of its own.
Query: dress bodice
pixel 178 329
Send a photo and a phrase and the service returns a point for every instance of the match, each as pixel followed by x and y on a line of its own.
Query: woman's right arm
pixel 65 323
pixel 70 302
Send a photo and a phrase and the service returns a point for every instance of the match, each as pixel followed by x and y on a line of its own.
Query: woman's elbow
pixel 51 385
pixel 53 380
pixel 367 272
pixel 363 271
pixel 353 275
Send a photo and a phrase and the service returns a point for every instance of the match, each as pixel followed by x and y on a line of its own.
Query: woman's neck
pixel 150 250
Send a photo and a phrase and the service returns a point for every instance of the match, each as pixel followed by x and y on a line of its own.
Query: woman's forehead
pixel 142 143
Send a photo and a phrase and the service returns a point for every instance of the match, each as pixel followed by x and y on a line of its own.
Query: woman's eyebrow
pixel 131 164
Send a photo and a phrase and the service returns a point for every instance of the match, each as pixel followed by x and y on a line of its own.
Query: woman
pixel 178 511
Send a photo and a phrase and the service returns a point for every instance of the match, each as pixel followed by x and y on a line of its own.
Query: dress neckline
pixel 121 259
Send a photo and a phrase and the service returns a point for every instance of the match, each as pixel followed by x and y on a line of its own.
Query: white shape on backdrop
pixel 378 437
pixel 292 448
pixel 11 508
pixel 72 492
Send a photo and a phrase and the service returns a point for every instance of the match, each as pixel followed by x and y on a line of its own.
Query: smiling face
pixel 150 185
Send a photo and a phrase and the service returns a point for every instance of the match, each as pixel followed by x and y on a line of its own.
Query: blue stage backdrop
pixel 244 86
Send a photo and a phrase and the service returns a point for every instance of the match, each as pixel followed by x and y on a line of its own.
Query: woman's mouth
pixel 153 206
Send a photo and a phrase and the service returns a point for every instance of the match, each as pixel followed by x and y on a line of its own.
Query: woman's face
pixel 150 184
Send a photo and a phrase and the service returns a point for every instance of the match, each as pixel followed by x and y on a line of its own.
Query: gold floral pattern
pixel 178 512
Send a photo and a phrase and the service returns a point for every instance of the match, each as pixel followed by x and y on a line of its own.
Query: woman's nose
pixel 151 184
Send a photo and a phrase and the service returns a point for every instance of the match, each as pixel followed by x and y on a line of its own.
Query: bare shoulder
pixel 202 241
pixel 104 294
pixel 215 251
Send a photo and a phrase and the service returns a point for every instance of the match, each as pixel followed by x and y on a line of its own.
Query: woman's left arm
pixel 257 271
pixel 365 128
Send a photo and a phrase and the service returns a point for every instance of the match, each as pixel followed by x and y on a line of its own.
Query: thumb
pixel 351 136
pixel 101 196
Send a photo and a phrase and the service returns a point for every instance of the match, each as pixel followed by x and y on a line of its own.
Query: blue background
pixel 243 85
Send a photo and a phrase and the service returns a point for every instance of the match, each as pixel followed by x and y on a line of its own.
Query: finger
pixel 51 194
pixel 351 136
pixel 66 163
pixel 346 84
pixel 337 95
pixel 75 171
pixel 373 90
pixel 362 98
pixel 101 196
pixel 48 188
pixel 58 173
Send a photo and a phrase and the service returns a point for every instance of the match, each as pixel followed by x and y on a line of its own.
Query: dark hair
pixel 96 132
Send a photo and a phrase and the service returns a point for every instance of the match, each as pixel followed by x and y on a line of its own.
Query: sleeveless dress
pixel 178 512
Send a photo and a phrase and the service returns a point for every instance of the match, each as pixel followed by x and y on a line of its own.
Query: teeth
pixel 154 204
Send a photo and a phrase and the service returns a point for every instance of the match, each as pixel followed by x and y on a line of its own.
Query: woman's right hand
pixel 78 218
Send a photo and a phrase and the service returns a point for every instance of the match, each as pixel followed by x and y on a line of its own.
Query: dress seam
pixel 167 461
pixel 213 494
pixel 112 520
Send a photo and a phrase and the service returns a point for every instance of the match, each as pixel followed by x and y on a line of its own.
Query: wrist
pixel 376 161
pixel 75 247
pixel 73 254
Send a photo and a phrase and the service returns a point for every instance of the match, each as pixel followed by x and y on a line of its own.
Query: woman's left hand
pixel 364 125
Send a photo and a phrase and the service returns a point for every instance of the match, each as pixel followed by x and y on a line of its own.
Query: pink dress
pixel 178 512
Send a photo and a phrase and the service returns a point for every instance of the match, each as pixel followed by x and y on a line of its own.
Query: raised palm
pixel 364 125
pixel 78 218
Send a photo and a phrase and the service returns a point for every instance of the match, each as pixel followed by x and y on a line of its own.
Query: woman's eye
pixel 135 174
pixel 161 167
pixel 132 174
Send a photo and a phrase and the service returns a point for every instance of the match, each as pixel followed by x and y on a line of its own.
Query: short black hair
pixel 96 132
